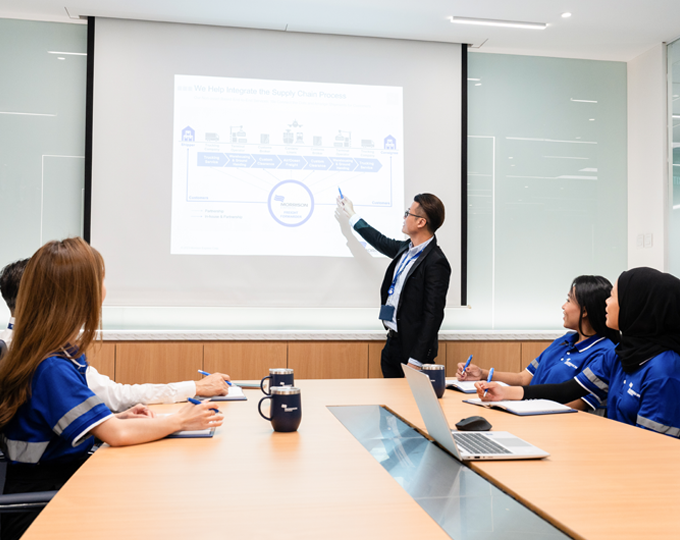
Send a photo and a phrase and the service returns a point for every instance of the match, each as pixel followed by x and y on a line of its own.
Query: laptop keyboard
pixel 476 444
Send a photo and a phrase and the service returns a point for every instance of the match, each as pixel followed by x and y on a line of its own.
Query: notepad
pixel 529 407
pixel 189 434
pixel 192 434
pixel 467 387
pixel 235 394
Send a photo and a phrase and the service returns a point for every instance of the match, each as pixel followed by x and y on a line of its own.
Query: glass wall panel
pixel 42 135
pixel 674 153
pixel 547 183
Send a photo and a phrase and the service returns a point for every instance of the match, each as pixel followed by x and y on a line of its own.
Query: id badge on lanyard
pixel 386 311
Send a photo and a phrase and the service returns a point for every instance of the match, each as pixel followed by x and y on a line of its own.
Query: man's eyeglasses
pixel 407 214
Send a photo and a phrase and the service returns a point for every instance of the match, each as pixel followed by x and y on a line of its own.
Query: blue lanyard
pixel 401 268
pixel 10 326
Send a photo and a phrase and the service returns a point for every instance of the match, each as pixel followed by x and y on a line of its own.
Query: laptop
pixel 465 445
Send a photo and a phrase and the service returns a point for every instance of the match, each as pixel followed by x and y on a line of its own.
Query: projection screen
pixel 218 155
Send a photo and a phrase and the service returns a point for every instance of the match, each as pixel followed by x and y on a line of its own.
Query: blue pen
pixel 488 379
pixel 197 402
pixel 208 374
pixel 467 364
pixel 341 196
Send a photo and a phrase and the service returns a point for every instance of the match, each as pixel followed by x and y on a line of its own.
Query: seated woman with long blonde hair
pixel 48 416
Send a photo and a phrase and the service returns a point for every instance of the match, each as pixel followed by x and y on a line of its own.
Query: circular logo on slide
pixel 291 203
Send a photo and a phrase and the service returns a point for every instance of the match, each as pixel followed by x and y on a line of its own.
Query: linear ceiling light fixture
pixel 497 22
pixel 70 53
pixel 26 113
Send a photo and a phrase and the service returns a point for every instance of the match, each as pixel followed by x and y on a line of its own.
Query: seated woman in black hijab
pixel 640 379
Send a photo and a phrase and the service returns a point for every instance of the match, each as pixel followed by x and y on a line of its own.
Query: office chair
pixel 14 503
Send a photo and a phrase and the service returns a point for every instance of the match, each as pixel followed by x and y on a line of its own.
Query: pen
pixel 197 402
pixel 341 195
pixel 467 364
pixel 208 374
pixel 488 379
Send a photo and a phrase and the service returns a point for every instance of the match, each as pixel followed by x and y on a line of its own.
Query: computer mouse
pixel 473 423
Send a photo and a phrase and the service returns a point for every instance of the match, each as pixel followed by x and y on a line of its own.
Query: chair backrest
pixel 14 503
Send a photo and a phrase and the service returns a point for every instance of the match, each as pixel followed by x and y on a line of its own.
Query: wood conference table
pixel 602 480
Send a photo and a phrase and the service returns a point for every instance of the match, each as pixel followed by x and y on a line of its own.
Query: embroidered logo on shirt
pixel 632 392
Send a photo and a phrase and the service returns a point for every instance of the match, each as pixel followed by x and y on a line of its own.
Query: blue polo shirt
pixel 53 425
pixel 564 358
pixel 647 398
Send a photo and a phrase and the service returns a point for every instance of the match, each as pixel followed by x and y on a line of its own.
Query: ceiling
pixel 598 29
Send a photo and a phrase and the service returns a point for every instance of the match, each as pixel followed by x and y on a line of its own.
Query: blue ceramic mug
pixel 437 375
pixel 277 377
pixel 285 409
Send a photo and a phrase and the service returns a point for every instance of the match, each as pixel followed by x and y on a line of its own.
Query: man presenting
pixel 413 292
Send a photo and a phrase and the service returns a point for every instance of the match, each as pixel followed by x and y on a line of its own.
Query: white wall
pixel 647 160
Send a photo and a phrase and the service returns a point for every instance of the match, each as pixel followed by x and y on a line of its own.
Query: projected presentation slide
pixel 258 164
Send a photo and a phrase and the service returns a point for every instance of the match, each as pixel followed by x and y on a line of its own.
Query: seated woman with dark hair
pixel 640 379
pixel 569 355
pixel 48 415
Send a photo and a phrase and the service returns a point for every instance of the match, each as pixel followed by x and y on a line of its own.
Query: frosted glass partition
pixel 547 185
pixel 42 135
pixel 674 152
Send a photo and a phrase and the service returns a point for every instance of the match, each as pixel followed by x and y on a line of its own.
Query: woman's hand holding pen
pixel 472 373
pixel 202 416
pixel 213 385
pixel 492 391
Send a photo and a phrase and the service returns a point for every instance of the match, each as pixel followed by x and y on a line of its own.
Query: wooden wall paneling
pixel 245 360
pixel 500 355
pixel 102 357
pixel 531 349
pixel 441 353
pixel 328 359
pixel 158 362
pixel 374 352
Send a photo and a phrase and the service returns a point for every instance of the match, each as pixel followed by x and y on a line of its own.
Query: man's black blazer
pixel 421 305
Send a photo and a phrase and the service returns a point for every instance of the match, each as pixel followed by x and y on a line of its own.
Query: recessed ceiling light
pixel 591 119
pixel 475 79
pixel 566 15
pixel 497 22
pixel 478 84
pixel 60 58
